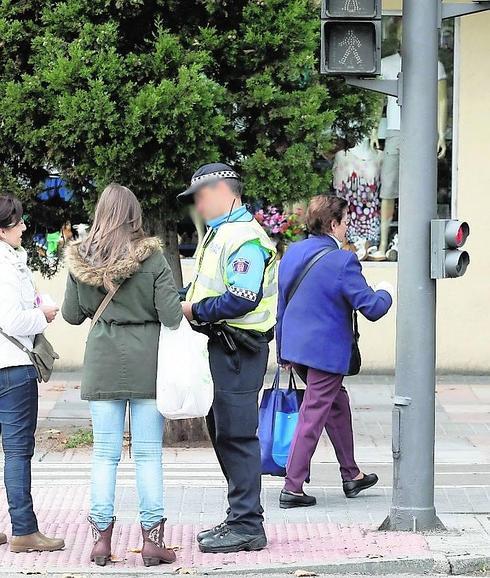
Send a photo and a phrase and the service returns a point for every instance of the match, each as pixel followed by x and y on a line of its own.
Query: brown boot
pixel 36 542
pixel 154 551
pixel 3 539
pixel 101 552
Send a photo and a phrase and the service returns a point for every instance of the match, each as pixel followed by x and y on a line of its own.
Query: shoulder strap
pixel 307 268
pixel 103 306
pixel 16 342
pixel 356 326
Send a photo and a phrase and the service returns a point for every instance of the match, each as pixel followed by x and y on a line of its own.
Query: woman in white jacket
pixel 19 318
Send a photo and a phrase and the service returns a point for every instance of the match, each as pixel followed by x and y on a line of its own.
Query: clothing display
pixel 390 170
pixel 391 67
pixel 356 178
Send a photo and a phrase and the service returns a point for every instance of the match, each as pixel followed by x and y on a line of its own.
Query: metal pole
pixel 414 411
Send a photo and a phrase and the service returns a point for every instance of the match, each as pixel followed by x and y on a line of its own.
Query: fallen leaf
pixel 302 573
pixel 135 550
pixel 57 387
pixel 174 548
pixel 116 559
pixel 186 571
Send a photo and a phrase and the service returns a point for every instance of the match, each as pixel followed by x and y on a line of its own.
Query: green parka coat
pixel 121 351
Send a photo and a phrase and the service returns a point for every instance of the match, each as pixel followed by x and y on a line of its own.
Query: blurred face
pixel 339 230
pixel 13 235
pixel 214 200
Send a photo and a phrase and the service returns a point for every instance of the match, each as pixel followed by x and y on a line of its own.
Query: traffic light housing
pixel 447 258
pixel 351 38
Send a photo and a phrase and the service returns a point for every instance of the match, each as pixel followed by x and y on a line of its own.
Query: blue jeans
pixel 18 420
pixel 147 439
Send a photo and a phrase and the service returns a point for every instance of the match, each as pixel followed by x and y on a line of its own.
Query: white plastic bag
pixel 184 384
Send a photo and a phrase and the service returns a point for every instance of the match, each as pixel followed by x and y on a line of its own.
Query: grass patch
pixel 81 438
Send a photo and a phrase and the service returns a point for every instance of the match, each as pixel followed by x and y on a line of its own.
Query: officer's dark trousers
pixel 232 424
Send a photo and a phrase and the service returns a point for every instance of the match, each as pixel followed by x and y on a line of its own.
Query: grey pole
pixel 414 411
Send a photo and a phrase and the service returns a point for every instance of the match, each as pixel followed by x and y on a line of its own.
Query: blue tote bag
pixel 278 417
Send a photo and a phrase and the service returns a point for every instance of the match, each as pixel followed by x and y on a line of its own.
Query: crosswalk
pixel 196 474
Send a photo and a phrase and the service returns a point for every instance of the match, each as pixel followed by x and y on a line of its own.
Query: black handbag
pixel 355 358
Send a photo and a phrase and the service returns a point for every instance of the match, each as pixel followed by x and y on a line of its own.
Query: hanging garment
pixel 356 178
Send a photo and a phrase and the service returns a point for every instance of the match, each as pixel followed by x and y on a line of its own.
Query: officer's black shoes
pixel 352 488
pixel 228 540
pixel 211 532
pixel 290 500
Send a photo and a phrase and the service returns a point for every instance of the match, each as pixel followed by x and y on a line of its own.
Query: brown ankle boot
pixel 36 542
pixel 3 539
pixel 101 552
pixel 154 551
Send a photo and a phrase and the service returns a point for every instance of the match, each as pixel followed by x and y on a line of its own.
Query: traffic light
pixel 447 238
pixel 351 37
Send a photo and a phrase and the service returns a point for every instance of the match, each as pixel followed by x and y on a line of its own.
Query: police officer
pixel 235 285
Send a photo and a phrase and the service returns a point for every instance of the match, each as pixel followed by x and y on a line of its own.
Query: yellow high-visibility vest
pixel 210 278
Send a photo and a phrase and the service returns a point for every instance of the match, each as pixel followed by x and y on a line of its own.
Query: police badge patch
pixel 241 266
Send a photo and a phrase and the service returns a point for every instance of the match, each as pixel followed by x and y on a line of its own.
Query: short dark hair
pixel 322 211
pixel 236 186
pixel 11 211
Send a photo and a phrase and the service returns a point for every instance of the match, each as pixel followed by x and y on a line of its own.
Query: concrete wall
pixel 463 304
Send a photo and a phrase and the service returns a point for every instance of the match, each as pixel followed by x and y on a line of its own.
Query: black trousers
pixel 232 424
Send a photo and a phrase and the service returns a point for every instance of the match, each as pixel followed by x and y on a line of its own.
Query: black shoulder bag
pixel 355 358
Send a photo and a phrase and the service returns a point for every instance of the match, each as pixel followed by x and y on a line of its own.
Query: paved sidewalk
pixel 337 536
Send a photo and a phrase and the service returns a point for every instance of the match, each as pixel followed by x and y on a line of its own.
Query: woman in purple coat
pixel 315 331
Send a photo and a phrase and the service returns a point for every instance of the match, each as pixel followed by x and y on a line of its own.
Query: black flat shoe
pixel 290 500
pixel 211 532
pixel 227 541
pixel 352 488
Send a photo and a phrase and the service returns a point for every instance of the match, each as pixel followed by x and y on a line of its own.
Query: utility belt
pixel 231 338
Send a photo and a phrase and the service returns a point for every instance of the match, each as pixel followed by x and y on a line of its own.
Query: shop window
pixel 369 179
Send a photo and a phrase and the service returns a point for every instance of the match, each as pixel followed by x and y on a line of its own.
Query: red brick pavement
pixel 289 543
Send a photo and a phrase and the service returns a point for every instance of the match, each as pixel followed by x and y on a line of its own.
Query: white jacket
pixel 19 317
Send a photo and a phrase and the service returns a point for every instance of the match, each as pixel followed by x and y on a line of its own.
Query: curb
pixel 452 565
pixel 448 565
pixel 468 564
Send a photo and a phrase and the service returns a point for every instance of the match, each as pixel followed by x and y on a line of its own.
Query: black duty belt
pixel 231 338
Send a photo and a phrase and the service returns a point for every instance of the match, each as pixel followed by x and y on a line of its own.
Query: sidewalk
pixel 337 536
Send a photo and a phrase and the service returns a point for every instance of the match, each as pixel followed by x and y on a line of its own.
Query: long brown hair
pixel 117 226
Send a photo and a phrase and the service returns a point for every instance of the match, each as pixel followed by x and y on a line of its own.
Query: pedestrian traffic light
pixel 447 258
pixel 351 37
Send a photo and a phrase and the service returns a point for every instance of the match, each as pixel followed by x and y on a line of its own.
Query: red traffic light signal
pixel 456 233
pixel 447 237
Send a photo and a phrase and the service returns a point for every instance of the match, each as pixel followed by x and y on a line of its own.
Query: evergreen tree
pixel 144 91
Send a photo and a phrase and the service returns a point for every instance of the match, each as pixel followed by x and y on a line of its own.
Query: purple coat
pixel 316 328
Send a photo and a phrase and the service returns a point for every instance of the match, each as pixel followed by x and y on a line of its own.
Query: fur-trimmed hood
pixel 122 269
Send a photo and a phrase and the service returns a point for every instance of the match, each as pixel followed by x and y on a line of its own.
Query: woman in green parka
pixel 120 362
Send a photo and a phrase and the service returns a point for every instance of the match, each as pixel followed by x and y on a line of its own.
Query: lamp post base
pixel 412 520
